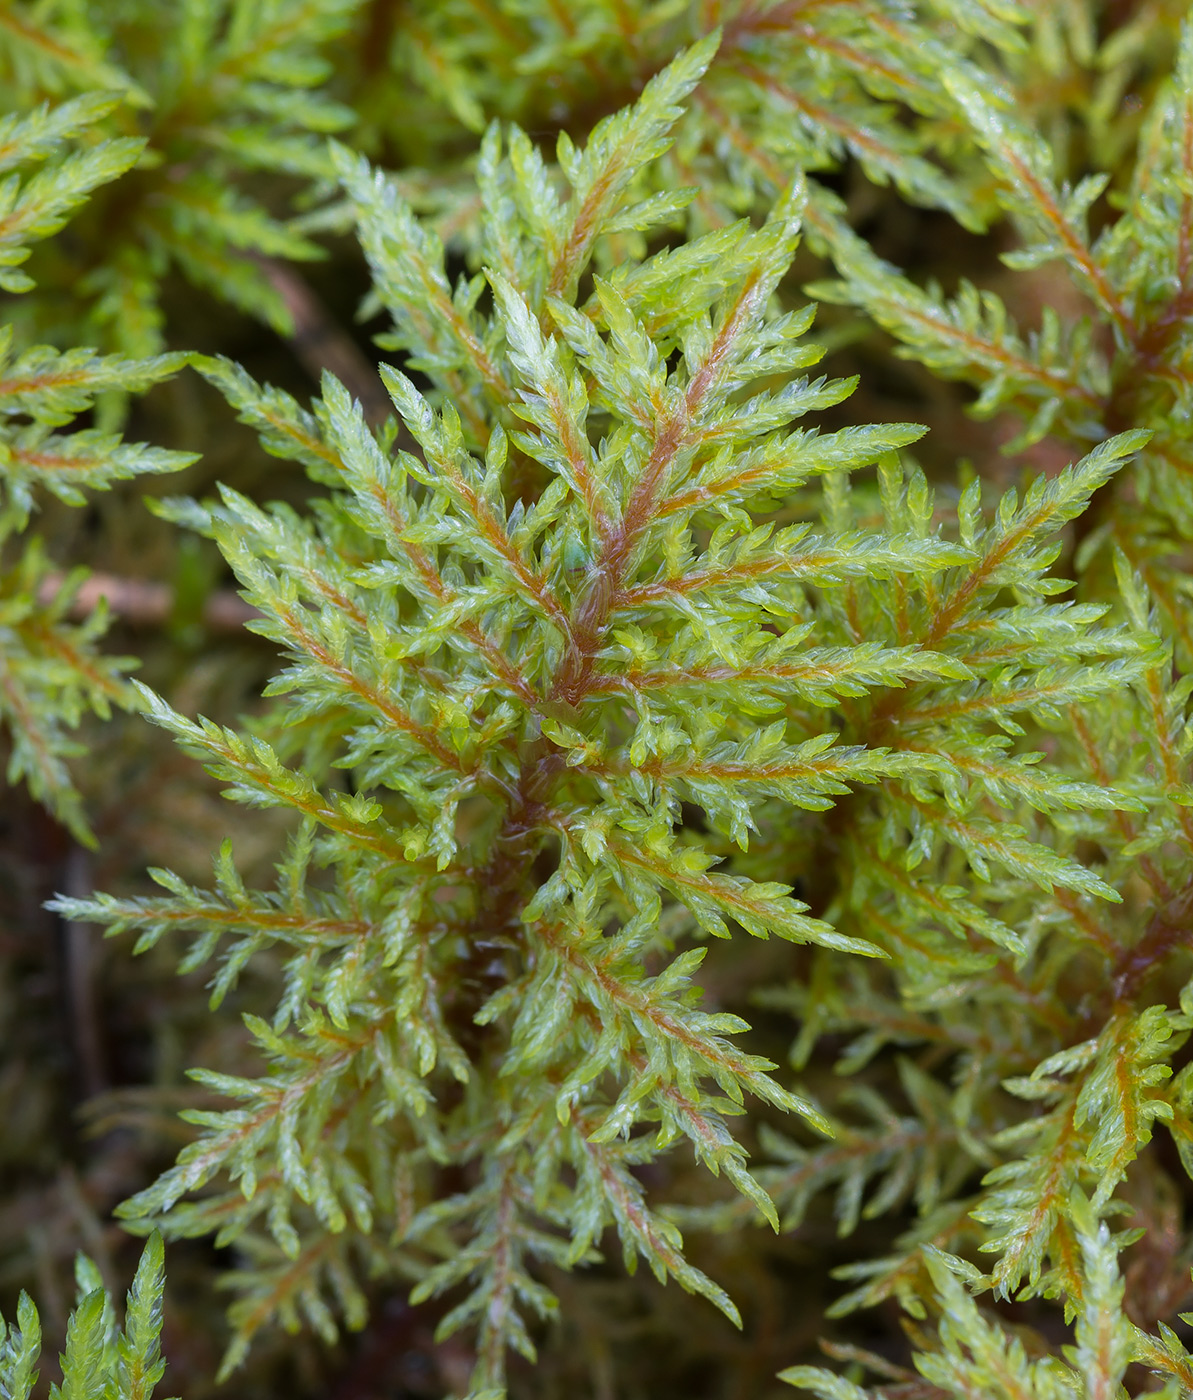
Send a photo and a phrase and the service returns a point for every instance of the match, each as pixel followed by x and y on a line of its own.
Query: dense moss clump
pixel 676 799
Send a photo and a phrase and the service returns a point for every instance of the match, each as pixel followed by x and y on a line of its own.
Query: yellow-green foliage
pixel 101 1358
pixel 625 641
pixel 50 670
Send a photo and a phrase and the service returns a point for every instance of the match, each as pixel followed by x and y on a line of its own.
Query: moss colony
pixel 671 524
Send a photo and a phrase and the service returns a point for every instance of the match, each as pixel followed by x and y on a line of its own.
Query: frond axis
pixel 1038 191
pixel 377 700
pixel 819 671
pixel 716 1053
pixel 48 770
pixel 531 581
pixel 433 581
pixel 57 640
pixel 656 1245
pixel 311 803
pixel 1122 819
pixel 606 592
pixel 856 137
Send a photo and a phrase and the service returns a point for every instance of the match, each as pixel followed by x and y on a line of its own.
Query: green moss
pixel 699 803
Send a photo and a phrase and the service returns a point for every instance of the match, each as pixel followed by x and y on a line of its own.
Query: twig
pixel 320 343
pixel 145 602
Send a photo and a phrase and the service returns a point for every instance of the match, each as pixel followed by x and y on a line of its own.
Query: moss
pixel 683 813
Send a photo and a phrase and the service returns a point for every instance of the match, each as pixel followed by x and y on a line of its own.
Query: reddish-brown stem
pixel 672 433
pixel 1123 821
pixel 1171 927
